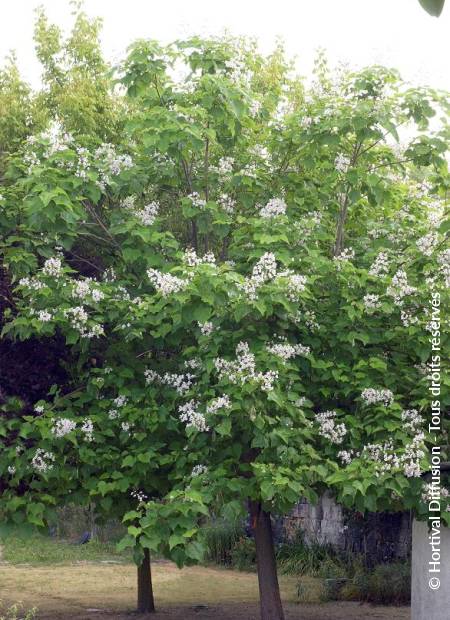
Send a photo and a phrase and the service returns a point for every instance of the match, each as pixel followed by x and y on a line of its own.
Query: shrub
pixel 243 554
pixel 315 559
pixel 387 584
pixel 220 539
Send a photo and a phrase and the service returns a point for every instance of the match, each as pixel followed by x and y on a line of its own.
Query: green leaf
pixel 433 7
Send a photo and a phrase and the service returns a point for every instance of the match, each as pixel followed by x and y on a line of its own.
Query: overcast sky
pixel 397 33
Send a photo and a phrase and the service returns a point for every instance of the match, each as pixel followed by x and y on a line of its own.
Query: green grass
pixel 32 548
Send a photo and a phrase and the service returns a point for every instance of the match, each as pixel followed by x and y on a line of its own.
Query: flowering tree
pixel 249 281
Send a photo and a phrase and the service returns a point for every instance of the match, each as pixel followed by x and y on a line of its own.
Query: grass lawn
pixel 93 582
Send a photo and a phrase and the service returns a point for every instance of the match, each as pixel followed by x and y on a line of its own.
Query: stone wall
pixel 378 537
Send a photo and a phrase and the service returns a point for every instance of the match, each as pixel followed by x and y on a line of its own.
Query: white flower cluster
pixel 243 369
pixel 287 351
pixel 148 214
pixel 193 364
pixel 407 318
pixel 84 288
pixel 444 262
pixel 193 418
pixel 341 163
pixel 199 470
pixel 372 396
pixel 44 316
pixel 386 459
pixel 42 461
pixel 110 163
pixel 222 402
pixel 182 383
pixel 191 259
pixel 399 287
pixel 274 208
pixel 346 456
pixel 264 271
pixel 39 408
pixel 345 256
pixel 225 168
pixel 206 328
pixel 78 318
pixel 62 427
pixel 380 265
pixel 296 284
pixel 58 139
pixel 328 427
pixel 412 420
pixel 227 203
pixel 371 302
pixel 83 164
pixel 87 428
pixel 197 202
pixel 139 495
pixel 52 267
pixel 165 283
pixel 11 470
pixel 34 284
pixel 119 401
pixel 427 243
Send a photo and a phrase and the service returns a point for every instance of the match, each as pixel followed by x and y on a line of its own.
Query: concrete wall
pixel 378 537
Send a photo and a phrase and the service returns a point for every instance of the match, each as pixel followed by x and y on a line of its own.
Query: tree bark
pixel 269 589
pixel 146 603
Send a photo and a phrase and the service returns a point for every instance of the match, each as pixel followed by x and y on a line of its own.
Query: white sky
pixel 397 33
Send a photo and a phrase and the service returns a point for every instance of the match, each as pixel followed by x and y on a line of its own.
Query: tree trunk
pixel 269 590
pixel 145 590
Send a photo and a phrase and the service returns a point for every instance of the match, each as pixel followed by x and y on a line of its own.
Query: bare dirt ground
pixel 92 591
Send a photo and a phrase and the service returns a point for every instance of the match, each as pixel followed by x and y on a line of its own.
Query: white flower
pixel 274 208
pixel 372 396
pixel 206 328
pixel 296 285
pixel 125 426
pixel 148 214
pixel 165 283
pixel 399 287
pixel 62 427
pixel 341 162
pixel 189 414
pixel 227 203
pixel 120 401
pixel 346 255
pixel 427 243
pixel 42 461
pixel 182 383
pixel 44 316
pixel 191 259
pixel 222 402
pixel 225 167
pixel 346 456
pixel 52 267
pixel 287 351
pixel 87 429
pixel 264 271
pixel 371 302
pixel 197 202
pixel 39 408
pixel 198 470
pixel 380 266
pixel 328 427
pixel 11 470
